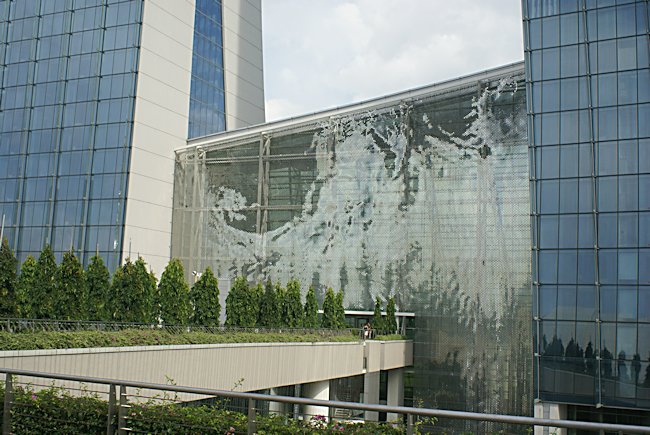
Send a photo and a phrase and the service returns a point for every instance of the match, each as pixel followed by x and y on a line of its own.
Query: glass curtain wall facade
pixel 424 199
pixel 588 88
pixel 67 78
pixel 207 98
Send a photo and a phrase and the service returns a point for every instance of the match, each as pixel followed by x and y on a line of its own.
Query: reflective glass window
pixel 585 231
pixel 625 20
pixel 568 160
pixel 606 56
pixel 626 53
pixel 607 158
pixel 551 63
pixel 607 230
pixel 569 101
pixel 586 303
pixel 628 193
pixel 550 96
pixel 568 231
pixel 628 230
pixel 586 266
pixel 567 271
pixel 627 266
pixel 566 302
pixel 608 266
pixel 644 266
pixel 569 195
pixel 551 31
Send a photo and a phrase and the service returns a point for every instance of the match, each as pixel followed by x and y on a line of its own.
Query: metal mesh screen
pixel 426 201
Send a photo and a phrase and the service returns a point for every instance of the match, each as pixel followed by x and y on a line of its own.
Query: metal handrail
pixel 408 411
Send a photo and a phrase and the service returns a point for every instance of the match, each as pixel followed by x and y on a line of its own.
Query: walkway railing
pixel 122 409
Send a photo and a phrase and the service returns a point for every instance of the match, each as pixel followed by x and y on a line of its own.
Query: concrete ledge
pixel 249 366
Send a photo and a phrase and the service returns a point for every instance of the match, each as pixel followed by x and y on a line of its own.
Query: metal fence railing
pixel 77 404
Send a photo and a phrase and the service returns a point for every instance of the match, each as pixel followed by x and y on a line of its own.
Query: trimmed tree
pixel 8 264
pixel 269 311
pixel 281 298
pixel 205 299
pixel 148 292
pixel 124 294
pixel 132 293
pixel 174 294
pixel 340 311
pixel 98 286
pixel 329 310
pixel 377 319
pixel 311 309
pixel 44 287
pixel 69 300
pixel 391 320
pixel 257 293
pixel 293 306
pixel 236 301
pixel 25 287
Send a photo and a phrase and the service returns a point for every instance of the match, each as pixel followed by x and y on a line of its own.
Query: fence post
pixel 9 400
pixel 251 417
pixel 409 424
pixel 110 428
pixel 121 413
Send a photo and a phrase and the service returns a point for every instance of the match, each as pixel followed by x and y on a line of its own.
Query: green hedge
pixel 54 411
pixel 139 337
pixel 390 337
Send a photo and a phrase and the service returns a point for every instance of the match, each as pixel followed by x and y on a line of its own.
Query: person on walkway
pixel 367 331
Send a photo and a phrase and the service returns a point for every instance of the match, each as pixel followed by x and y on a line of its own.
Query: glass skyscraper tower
pixel 588 89
pixel 95 95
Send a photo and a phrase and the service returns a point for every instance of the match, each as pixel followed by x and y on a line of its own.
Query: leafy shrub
pixel 150 337
pixel 54 411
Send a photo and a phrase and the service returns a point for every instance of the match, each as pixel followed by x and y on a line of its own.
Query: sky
pixel 320 54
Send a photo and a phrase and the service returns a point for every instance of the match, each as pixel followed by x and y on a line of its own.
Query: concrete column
pixel 371 393
pixel 316 390
pixel 275 408
pixel 554 411
pixel 395 392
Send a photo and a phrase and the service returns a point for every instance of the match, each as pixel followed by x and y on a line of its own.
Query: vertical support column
pixel 9 400
pixel 252 420
pixel 275 408
pixel 409 424
pixel 121 415
pixel 316 390
pixel 110 429
pixel 371 393
pixel 395 392
pixel 554 411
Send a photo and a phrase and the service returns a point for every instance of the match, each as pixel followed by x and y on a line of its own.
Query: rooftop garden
pixel 52 306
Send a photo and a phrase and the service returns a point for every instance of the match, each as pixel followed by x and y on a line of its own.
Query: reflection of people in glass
pixel 590 358
pixel 636 367
pixel 572 353
pixel 607 363
pixel 622 367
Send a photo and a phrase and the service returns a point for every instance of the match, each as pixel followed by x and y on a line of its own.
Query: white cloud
pixel 325 53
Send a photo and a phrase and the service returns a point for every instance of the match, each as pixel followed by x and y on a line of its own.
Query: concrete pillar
pixel 316 390
pixel 276 408
pixel 554 411
pixel 371 393
pixel 395 392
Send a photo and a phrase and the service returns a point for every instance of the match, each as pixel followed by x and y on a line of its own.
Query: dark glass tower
pixel 588 88
pixel 67 76
pixel 207 98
